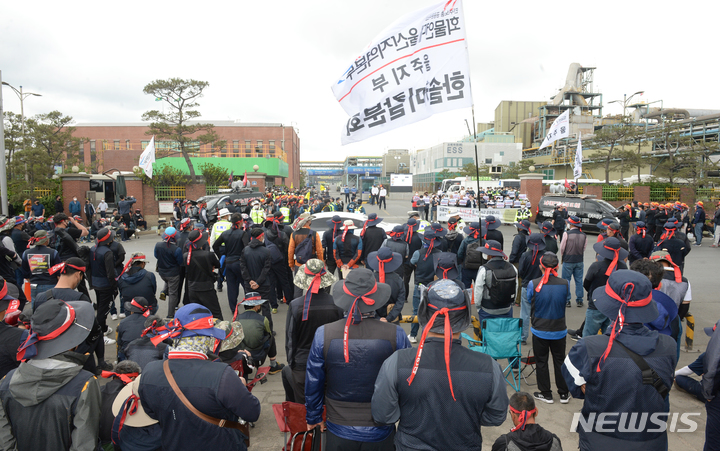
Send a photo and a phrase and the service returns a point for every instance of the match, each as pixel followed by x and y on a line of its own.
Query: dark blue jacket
pixel 213 388
pixel 618 387
pixel 640 247
pixel 129 329
pixel 547 310
pixel 350 385
pixel 170 259
pixel 699 216
pixel 102 268
pixel 667 321
pixel 75 208
pixel 138 282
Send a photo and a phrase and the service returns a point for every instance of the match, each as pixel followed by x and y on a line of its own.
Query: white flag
pixel 147 158
pixel 578 160
pixel 559 129
pixel 416 67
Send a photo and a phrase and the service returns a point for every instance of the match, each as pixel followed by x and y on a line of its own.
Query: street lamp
pixel 22 96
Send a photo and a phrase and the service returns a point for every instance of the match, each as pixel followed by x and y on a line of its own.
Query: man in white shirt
pixel 381 198
pixel 102 208
pixel 374 195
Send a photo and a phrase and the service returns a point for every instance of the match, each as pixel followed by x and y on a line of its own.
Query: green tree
pixel 513 171
pixel 174 126
pixel 215 175
pixel 53 133
pixel 445 174
pixel 608 144
pixel 683 159
pixel 303 178
pixel 13 138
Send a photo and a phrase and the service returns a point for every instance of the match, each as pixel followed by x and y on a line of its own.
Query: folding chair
pixel 290 418
pixel 528 361
pixel 501 339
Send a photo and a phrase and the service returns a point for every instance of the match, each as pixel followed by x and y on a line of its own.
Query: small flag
pixel 577 173
pixel 245 180
pixel 560 128
pixel 147 158
pixel 230 180
pixel 567 185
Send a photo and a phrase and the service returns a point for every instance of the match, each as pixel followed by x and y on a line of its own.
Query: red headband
pixel 613 264
pixel 448 340
pixel 381 268
pixel 676 268
pixel 620 320
pixel 487 246
pixel 312 289
pixel 175 329
pixel 474 232
pixel 144 309
pixel 191 247
pixel 129 263
pixel 523 417
pixel 546 276
pixel 100 240
pixel 431 246
pixel 362 233
pixel 129 407
pixel 345 229
pixel 643 230
pixel 126 378
pixel 351 314
pixel 61 267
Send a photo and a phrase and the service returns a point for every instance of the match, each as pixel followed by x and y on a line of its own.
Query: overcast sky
pixel 274 61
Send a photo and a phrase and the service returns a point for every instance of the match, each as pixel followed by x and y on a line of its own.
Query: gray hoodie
pixel 35 401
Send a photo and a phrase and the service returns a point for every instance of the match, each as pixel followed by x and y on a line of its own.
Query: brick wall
pixel 135 188
pixel 531 184
pixel 642 194
pixel 195 191
pixel 74 185
pixel 259 178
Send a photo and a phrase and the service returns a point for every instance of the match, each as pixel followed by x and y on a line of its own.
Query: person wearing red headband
pixel 347 248
pixel 529 269
pixel 36 264
pixel 440 372
pixel 526 433
pixel 469 253
pixel 124 373
pixel 674 242
pixel 305 315
pixel 136 281
pixel 496 285
pixel 169 262
pixel 344 361
pixel 627 369
pixel 200 275
pixel 678 287
pixel 698 223
pixel 132 327
pixel 547 296
pixel 572 249
pixel 371 235
pixel 641 244
pixel 384 263
pixel 626 217
pixel 255 264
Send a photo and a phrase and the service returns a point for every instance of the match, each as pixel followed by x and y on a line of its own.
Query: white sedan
pixel 320 223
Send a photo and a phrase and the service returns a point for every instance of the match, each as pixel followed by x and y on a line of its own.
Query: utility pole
pixel 3 176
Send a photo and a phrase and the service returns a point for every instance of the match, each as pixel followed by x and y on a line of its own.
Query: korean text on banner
pixel 578 160
pixel 506 215
pixel 147 158
pixel 415 68
pixel 559 129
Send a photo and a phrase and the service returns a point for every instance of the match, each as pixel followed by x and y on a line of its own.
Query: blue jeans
pixel 468 276
pixel 37 289
pixel 525 314
pixel 595 322
pixel 570 270
pixel 415 327
pixel 698 233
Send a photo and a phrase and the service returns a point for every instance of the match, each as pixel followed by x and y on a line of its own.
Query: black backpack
pixel 306 249
pixel 474 259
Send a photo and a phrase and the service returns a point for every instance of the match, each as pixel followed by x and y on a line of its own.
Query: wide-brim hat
pixel 7 224
pixel 373 219
pixel 618 284
pixel 193 312
pixel 640 224
pixel 138 418
pixel 709 331
pixel 52 315
pixel 605 248
pixel 574 221
pixel 477 226
pixel 412 223
pixel 334 220
pixel 223 212
pixel 547 229
pixel 385 254
pixel 524 225
pixel 349 224
pixel 491 222
pixel 440 294
pixel 360 282
pixel 492 248
pixel 139 300
pixel 536 241
pixel 19 220
pixel 603 224
pixel 253 298
pixel 438 229
pixel 412 213
pixel 234 334
pixel 307 272
pixel 445 263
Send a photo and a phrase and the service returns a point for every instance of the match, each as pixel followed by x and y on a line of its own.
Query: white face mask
pixel 74 199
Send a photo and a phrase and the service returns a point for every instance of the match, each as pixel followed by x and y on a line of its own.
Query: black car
pixel 589 209
pixel 217 201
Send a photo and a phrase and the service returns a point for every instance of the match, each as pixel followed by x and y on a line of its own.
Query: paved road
pixel 701 269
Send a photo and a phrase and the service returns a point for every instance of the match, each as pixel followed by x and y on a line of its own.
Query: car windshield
pixel 607 205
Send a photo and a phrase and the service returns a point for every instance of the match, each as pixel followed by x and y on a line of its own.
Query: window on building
pixel 271 146
pixel 116 144
pixel 259 146
pixel 81 152
pixel 93 151
pixel 127 144
pixel 488 160
pixel 502 153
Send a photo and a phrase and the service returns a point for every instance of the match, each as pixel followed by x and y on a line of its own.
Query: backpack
pixel 351 207
pixel 497 289
pixel 474 259
pixel 275 253
pixel 306 249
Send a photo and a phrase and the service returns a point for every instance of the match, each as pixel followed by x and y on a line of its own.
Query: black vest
pixel 502 287
pixel 425 271
pixel 97 266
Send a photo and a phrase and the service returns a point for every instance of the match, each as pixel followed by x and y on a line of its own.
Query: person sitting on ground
pixel 259 339
pixel 141 350
pixel 36 264
pixel 527 435
pixel 132 327
pixel 496 284
pixel 124 373
pixel 139 219
pixel 135 281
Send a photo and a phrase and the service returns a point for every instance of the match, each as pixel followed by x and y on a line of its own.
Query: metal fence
pixel 712 194
pixel 169 192
pixel 213 189
pixel 664 194
pixel 38 192
pixel 612 192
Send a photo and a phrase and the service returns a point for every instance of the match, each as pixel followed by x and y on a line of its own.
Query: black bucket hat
pixel 373 219
pixel 492 248
pixel 524 225
pixel 536 241
pixel 138 305
pixel 475 227
pixel 491 222
pixel 574 221
pixel 547 229
pixel 55 327
pixel 610 249
pixel 336 220
pixel 438 229
pixel 445 264
pixel 384 256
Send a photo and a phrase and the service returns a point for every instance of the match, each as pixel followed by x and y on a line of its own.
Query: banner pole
pixel 477 166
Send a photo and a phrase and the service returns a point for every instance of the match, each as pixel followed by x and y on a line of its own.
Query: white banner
pixel 506 215
pixel 401 180
pixel 147 158
pixel 578 160
pixel 416 67
pixel 559 129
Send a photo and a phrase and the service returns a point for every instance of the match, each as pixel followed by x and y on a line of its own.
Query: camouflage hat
pixel 306 273
pixel 233 332
pixel 6 223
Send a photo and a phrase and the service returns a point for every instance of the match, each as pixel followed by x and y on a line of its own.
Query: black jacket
pixel 169 259
pixel 595 277
pixel 372 240
pixel 640 247
pixel 142 351
pixel 199 274
pixel 255 263
pixel 235 241
pixel 529 269
pixel 9 344
pixel 519 246
pixel 533 438
pixel 20 240
pixel 397 296
pixel 299 334
pixel 138 282
pixel 129 329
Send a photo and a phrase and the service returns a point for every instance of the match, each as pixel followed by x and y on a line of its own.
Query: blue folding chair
pixel 501 339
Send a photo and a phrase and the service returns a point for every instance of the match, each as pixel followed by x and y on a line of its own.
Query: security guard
pixel 257 214
pixel 285 210
pixel 522 213
pixel 423 223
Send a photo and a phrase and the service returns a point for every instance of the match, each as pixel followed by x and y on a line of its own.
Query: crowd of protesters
pixel 178 380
